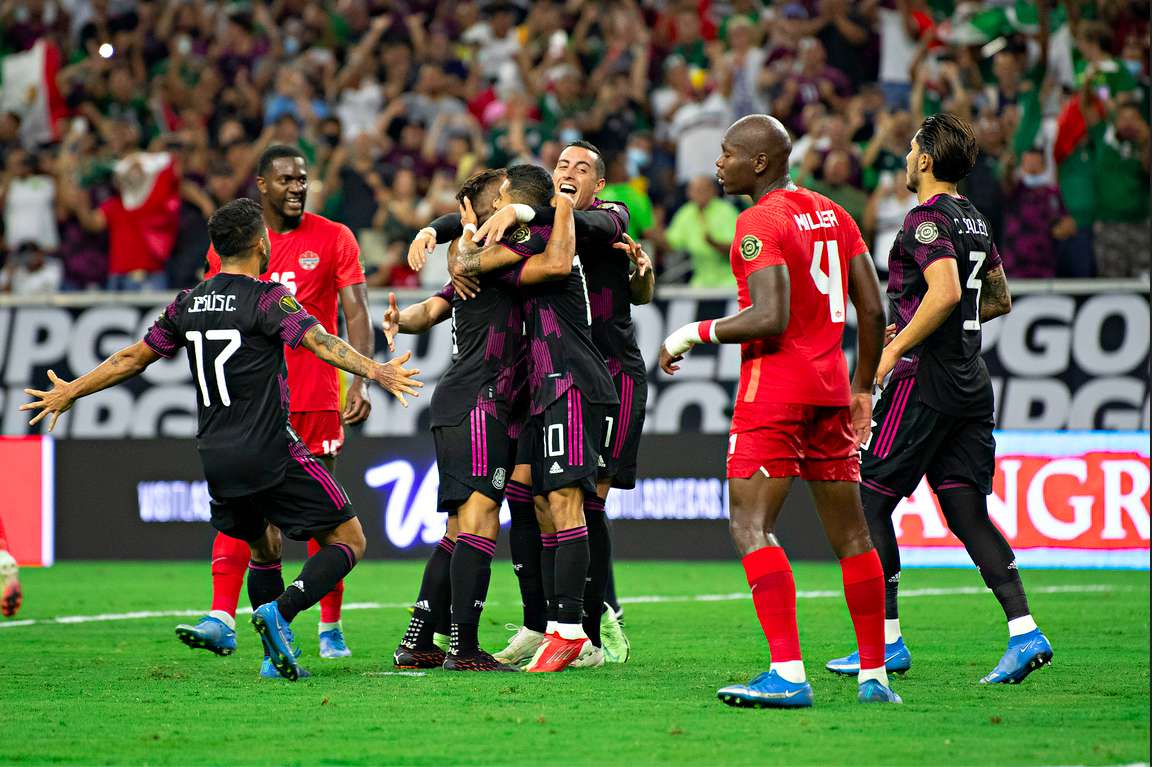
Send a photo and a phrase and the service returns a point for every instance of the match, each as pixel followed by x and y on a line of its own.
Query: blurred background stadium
pixel 153 113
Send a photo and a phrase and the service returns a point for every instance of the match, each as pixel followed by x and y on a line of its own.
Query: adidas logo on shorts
pixel 555 468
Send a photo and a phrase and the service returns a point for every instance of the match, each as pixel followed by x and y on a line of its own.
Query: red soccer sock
pixel 774 595
pixel 331 602
pixel 864 593
pixel 229 564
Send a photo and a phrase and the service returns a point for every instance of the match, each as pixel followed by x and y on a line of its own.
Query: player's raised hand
pixel 467 213
pixel 55 402
pixel 397 379
pixel 391 323
pixel 861 413
pixel 497 224
pixel 636 253
pixel 421 247
pixel 668 360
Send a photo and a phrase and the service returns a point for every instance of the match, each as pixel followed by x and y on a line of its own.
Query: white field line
pixel 1088 588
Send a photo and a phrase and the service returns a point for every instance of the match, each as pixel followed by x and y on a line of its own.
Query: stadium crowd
pixel 123 125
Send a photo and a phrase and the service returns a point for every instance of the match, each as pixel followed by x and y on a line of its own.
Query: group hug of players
pixel 543 404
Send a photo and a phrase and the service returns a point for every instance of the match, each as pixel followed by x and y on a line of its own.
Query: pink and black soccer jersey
pixel 234 329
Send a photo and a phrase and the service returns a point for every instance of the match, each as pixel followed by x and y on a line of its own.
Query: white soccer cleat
pixel 521 647
pixel 10 594
pixel 590 656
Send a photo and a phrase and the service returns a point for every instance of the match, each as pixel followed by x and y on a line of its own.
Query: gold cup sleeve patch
pixel 289 304
pixel 750 247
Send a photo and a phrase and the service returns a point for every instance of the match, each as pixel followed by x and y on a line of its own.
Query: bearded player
pixel 936 414
pixel 797 257
pixel 319 261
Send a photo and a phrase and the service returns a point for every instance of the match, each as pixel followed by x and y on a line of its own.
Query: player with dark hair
pixel 571 399
pixel 936 414
pixel 262 479
pixel 797 258
pixel 319 261
pixel 612 287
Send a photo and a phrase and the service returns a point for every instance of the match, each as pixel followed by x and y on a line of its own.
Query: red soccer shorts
pixel 806 441
pixel 321 431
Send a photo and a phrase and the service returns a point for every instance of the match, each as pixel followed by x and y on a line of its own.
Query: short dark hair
pixel 601 168
pixel 951 144
pixel 530 184
pixel 275 152
pixel 235 226
pixel 478 182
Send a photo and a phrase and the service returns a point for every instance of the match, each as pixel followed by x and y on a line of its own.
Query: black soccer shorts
pixel 621 442
pixel 474 456
pixel 306 503
pixel 911 440
pixel 565 443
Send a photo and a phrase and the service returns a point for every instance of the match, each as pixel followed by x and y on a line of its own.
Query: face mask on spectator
pixel 291 46
pixel 1135 66
pixel 637 160
pixel 1034 180
pixel 568 135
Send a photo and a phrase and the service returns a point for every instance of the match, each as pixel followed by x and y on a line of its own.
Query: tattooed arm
pixel 124 364
pixel 393 376
pixel 995 300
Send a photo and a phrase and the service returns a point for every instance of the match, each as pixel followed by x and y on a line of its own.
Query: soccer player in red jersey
pixel 797 257
pixel 10 594
pixel 319 261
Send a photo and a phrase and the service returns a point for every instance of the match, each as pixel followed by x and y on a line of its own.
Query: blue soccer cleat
pixel 268 671
pixel 279 643
pixel 897 660
pixel 1025 654
pixel 769 690
pixel 209 634
pixel 332 644
pixel 874 692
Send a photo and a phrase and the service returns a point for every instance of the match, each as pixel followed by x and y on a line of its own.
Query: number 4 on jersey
pixel 830 283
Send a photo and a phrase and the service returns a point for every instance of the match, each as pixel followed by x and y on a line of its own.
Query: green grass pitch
pixel 126 692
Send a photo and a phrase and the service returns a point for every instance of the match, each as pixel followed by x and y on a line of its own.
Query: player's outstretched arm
pixel 940 299
pixel 770 290
pixel 597 227
pixel 995 300
pixel 864 291
pixel 413 320
pixel 124 364
pixel 392 375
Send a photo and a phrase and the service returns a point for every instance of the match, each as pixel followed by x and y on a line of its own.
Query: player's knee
pixel 747 534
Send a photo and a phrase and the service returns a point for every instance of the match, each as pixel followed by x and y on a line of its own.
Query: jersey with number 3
pixel 949 370
pixel 814 238
pixel 314 260
pixel 235 330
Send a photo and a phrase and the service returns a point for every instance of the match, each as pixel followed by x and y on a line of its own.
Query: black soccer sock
pixel 321 573
pixel 878 509
pixel 571 571
pixel 524 540
pixel 548 573
pixel 965 509
pixel 599 565
pixel 610 598
pixel 471 572
pixel 434 598
pixel 265 582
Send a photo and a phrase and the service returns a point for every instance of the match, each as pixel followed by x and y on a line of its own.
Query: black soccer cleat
pixel 475 660
pixel 410 657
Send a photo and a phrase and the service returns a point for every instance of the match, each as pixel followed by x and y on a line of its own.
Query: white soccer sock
pixel 879 674
pixel 571 631
pixel 1021 625
pixel 224 618
pixel 790 670
pixel 322 626
pixel 891 630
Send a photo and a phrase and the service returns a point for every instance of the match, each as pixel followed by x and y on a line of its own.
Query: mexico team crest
pixel 308 260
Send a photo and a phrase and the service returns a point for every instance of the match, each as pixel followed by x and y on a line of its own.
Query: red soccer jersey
pixel 314 261
pixel 815 238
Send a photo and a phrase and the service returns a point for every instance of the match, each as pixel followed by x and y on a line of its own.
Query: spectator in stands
pixel 30 271
pixel 623 186
pixel 1034 219
pixel 884 215
pixel 835 183
pixel 28 196
pixel 704 228
pixel 1120 150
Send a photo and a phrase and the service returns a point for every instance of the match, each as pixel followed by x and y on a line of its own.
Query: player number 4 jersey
pixel 815 239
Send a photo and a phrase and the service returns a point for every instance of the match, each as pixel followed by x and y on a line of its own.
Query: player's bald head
pixel 754 149
pixel 761 134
